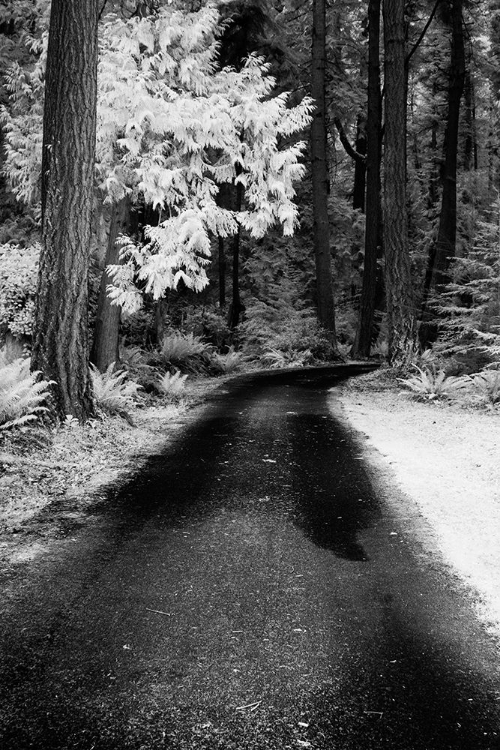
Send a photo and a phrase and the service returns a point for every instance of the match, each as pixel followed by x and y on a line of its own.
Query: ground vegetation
pixel 267 186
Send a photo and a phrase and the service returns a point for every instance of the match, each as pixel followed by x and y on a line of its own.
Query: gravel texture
pixel 446 459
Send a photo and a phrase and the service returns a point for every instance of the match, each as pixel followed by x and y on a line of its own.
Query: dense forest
pixel 205 186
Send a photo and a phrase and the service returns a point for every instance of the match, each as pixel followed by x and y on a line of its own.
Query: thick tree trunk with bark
pixel 60 346
pixel 400 302
pixel 444 248
pixel 373 232
pixel 320 177
pixel 107 325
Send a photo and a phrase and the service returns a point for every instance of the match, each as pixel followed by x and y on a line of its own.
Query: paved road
pixel 249 592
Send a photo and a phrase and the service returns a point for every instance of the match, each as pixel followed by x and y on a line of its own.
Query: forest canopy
pixel 289 183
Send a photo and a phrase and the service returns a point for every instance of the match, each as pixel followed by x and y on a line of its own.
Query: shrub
pixel 186 351
pixel 208 323
pixel 487 384
pixel 18 282
pixel 172 384
pixel 227 363
pixel 431 383
pixel 274 331
pixel 112 392
pixel 275 358
pixel 130 355
pixel 22 393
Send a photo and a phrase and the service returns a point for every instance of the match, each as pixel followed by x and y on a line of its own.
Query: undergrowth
pixel 432 383
pixel 23 394
pixel 113 392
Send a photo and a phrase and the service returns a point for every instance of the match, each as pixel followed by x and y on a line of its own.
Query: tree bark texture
pixel 470 156
pixel 320 177
pixel 105 346
pixel 236 307
pixel 400 302
pixel 226 199
pixel 444 249
pixel 373 231
pixel 222 273
pixel 69 125
pixel 359 186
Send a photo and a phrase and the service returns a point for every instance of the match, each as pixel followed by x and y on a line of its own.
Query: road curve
pixel 248 591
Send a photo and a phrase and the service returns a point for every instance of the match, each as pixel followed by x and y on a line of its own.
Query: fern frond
pixel 113 393
pixel 22 394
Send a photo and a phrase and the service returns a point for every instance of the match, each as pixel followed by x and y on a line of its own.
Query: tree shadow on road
pixel 334 497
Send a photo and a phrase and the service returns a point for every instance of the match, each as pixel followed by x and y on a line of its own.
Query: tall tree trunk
pixel 359 187
pixel 107 324
pixel 236 308
pixel 433 191
pixel 373 231
pixel 222 274
pixel 60 348
pixel 444 248
pixel 320 178
pixel 225 199
pixel 400 303
pixel 470 156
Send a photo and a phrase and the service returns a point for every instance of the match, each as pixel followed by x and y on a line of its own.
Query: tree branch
pixel 423 33
pixel 102 9
pixel 345 142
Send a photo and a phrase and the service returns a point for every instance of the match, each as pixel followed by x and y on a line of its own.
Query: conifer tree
pixel 60 346
pixel 320 176
pixel 373 233
pixel 444 248
pixel 400 301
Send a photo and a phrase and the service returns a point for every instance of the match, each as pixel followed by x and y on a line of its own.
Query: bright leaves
pixel 180 128
pixel 172 128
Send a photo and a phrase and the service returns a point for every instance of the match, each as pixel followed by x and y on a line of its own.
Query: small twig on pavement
pixel 251 706
pixel 159 612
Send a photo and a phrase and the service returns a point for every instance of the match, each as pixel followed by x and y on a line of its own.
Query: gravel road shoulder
pixel 446 460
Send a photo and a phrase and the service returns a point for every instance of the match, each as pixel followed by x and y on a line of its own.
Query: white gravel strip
pixel 447 460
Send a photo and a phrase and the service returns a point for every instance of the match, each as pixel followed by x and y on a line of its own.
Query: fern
pixel 431 383
pixel 275 359
pixel 229 362
pixel 172 384
pixel 131 356
pixel 487 383
pixel 185 350
pixel 113 393
pixel 22 394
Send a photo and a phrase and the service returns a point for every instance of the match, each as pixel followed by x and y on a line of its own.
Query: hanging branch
pixel 423 33
pixel 345 142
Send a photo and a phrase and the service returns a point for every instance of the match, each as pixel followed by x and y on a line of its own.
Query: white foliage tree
pixel 183 128
pixel 172 128
pixel 22 124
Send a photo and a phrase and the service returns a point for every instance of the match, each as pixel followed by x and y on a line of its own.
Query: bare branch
pixel 346 144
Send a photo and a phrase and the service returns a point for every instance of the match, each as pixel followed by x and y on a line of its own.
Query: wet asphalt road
pixel 248 592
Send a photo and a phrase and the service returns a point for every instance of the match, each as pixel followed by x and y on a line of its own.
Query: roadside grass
pixel 41 464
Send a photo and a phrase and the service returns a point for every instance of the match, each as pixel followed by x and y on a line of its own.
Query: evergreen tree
pixel 319 171
pixel 60 346
pixel 400 301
